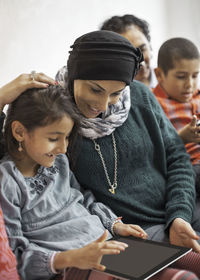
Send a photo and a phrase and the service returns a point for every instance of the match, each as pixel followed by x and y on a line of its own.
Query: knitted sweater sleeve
pixel 179 174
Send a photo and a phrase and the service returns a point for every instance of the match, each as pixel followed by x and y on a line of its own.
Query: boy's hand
pixel 190 133
pixel 89 257
pixel 129 229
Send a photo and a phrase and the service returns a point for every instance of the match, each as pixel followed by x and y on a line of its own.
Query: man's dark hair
pixel 119 24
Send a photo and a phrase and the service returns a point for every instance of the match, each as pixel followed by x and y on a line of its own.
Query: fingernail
pixel 56 83
pixel 141 234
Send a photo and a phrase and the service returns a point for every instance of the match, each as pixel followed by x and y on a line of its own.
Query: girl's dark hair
pixel 39 107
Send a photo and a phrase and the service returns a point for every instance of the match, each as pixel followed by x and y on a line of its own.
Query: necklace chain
pixel 98 149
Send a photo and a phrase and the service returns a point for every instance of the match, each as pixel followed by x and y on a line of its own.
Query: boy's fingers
pixel 193 121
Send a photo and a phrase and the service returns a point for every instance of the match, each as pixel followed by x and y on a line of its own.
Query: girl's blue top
pixel 48 213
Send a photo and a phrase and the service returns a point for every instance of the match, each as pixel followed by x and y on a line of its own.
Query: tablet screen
pixel 142 259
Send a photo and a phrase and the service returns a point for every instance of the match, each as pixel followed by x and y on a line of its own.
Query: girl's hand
pixel 129 229
pixel 90 256
pixel 190 133
pixel 13 89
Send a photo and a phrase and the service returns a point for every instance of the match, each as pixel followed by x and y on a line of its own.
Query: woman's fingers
pixel 40 80
pixel 41 77
pixel 99 267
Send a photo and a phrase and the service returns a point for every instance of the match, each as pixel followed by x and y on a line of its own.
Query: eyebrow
pixel 104 88
pixel 92 82
pixel 55 132
pixel 185 72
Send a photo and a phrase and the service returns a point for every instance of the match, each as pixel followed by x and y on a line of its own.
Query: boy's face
pixel 181 82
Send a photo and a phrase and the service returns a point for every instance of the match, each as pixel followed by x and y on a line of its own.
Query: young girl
pixel 51 225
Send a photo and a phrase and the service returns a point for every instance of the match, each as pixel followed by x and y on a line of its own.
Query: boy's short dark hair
pixel 176 49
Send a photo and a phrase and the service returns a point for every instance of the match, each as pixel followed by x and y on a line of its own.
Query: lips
pixel 94 111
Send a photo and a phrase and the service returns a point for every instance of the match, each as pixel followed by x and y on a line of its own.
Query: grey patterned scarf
pixel 112 118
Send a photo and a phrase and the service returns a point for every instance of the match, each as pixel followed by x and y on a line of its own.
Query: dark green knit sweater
pixel 155 177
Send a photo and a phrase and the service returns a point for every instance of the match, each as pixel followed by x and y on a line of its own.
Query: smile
pixel 94 110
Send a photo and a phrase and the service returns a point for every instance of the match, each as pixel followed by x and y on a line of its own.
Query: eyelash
pixel 98 91
pixel 56 139
pixel 53 140
pixel 180 77
pixel 95 90
pixel 116 93
pixel 183 77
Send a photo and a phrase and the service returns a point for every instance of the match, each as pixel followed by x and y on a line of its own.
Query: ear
pixel 159 74
pixel 18 130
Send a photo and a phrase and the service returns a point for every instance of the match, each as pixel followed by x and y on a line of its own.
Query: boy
pixel 177 74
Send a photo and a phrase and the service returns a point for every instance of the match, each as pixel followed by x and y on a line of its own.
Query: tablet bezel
pixel 181 252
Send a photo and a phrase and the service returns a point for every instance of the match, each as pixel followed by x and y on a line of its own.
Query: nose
pixel 103 103
pixel 62 147
pixel 189 83
pixel 106 101
pixel 147 56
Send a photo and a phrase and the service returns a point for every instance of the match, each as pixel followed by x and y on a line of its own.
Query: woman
pixel 134 159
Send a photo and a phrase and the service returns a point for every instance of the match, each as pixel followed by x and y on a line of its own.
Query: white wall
pixel 36 34
pixel 183 18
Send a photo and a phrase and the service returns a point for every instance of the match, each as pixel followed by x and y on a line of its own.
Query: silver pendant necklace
pixel 98 149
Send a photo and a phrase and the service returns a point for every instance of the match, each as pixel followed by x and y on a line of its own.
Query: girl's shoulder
pixel 7 165
pixel 61 162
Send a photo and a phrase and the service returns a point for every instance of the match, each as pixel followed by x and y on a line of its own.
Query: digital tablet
pixel 142 259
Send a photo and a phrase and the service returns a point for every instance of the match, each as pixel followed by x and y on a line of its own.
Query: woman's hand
pixel 90 256
pixel 190 133
pixel 13 89
pixel 182 234
pixel 129 229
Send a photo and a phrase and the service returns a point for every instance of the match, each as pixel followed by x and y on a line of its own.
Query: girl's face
pixel 93 97
pixel 181 82
pixel 43 144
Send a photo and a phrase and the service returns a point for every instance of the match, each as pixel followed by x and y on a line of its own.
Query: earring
pixel 20 149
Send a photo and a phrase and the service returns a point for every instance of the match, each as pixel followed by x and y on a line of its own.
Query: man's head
pixel 178 68
pixel 137 32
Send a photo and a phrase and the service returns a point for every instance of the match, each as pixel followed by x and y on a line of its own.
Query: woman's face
pixel 93 97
